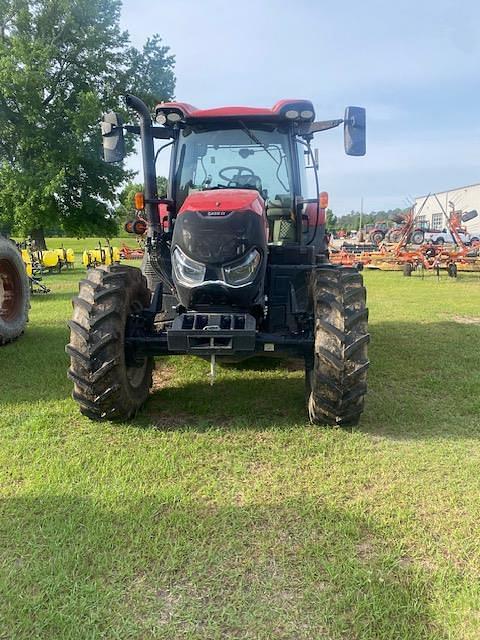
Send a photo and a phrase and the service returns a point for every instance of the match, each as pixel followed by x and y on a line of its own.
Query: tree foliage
pixel 351 221
pixel 126 198
pixel 63 63
pixel 331 219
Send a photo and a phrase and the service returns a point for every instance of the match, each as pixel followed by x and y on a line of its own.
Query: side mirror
pixel 112 138
pixel 469 215
pixel 354 131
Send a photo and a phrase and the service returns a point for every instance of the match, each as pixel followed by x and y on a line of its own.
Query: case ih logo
pixel 216 214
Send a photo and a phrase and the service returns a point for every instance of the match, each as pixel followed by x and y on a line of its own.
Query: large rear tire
pixel 394 235
pixel 14 292
pixel 377 237
pixel 337 381
pixel 106 386
pixel 418 237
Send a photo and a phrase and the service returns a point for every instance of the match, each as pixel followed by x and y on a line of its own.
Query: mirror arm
pixel 160 133
pixel 308 128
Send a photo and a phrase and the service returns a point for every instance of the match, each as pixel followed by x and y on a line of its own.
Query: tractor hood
pixel 219 248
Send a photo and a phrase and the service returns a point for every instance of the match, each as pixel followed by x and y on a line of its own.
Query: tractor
pixel 14 292
pixel 236 261
pixel 376 232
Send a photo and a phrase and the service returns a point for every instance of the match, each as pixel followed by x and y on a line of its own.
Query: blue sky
pixel 415 66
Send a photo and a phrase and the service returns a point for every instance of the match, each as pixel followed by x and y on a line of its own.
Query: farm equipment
pixel 14 292
pixel 66 257
pixel 236 262
pixel 375 233
pixel 103 255
pixel 405 222
pixel 430 256
pixel 131 253
pixel 34 270
pixel 38 261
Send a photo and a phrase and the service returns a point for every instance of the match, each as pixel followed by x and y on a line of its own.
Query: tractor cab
pixel 234 156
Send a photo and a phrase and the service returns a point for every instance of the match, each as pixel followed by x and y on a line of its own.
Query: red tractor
pixel 376 232
pixel 236 261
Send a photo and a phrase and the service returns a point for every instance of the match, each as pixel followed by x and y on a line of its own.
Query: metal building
pixel 461 199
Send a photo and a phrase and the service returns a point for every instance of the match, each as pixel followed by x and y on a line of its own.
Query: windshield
pixel 239 157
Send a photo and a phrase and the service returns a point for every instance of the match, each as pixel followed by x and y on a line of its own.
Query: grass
pixel 221 513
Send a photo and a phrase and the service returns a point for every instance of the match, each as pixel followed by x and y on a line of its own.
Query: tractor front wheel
pixel 337 377
pixel 106 385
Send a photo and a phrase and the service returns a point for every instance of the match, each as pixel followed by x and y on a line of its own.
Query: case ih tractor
pixel 236 262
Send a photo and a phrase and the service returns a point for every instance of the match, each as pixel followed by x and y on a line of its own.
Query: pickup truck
pixel 444 236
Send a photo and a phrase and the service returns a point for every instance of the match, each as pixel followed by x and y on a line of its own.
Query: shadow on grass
pixel 255 402
pixel 166 567
pixel 423 383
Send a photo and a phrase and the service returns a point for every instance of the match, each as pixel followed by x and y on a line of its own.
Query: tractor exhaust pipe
pixel 148 160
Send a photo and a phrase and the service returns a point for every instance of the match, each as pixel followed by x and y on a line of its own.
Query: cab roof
pixel 279 110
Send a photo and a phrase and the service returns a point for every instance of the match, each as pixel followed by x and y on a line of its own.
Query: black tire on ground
pixel 14 292
pixel 407 269
pixel 106 386
pixel 377 237
pixel 440 241
pixel 418 237
pixel 452 270
pixel 394 235
pixel 337 381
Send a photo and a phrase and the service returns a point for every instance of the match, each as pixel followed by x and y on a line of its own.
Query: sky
pixel 415 67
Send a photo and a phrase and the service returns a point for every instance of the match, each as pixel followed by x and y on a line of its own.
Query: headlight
pixel 187 271
pixel 242 272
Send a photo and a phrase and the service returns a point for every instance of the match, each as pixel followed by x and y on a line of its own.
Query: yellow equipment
pixel 48 259
pixel 27 261
pixel 66 256
pixel 103 255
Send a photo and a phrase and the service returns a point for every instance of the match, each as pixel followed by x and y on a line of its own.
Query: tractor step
pixel 211 333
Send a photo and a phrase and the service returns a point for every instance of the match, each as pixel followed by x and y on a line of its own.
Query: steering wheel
pixel 240 171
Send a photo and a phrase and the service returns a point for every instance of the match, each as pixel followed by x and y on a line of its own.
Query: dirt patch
pixel 295 364
pixel 166 421
pixel 366 550
pixel 466 319
pixel 162 376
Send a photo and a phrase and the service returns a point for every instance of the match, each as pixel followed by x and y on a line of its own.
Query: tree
pixel 126 209
pixel 331 220
pixel 351 221
pixel 63 63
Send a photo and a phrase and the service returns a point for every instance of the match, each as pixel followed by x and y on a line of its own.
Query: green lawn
pixel 221 513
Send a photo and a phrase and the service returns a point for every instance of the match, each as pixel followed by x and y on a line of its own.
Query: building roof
pixel 467 186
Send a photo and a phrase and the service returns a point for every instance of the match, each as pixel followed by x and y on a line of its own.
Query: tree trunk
pixel 38 238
